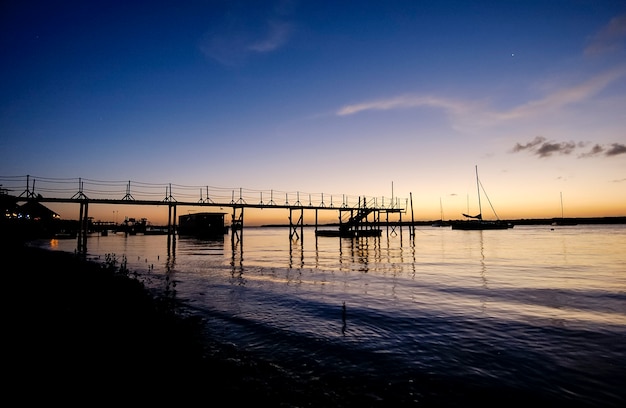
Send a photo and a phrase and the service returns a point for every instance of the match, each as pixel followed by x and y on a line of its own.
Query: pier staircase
pixel 359 221
pixel 356 221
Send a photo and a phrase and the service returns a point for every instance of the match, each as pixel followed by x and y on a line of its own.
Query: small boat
pixel 65 235
pixel 152 230
pixel 476 222
pixel 563 221
pixel 481 225
pixel 440 222
pixel 349 233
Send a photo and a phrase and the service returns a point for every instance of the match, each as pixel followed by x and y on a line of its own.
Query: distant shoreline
pixel 519 221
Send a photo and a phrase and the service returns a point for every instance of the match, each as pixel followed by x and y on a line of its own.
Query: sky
pixel 392 99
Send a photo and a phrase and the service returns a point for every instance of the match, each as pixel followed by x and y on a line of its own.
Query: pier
pixel 356 215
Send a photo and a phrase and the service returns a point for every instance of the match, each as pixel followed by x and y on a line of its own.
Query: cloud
pixel 564 96
pixel 610 38
pixel 404 102
pixel 465 113
pixel 241 34
pixel 541 147
pixel 616 148
pixel 595 150
pixel 277 35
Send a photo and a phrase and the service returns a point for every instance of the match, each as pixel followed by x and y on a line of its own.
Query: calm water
pixel 537 309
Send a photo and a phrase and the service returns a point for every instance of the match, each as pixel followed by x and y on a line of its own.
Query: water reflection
pixel 170 282
pixel 236 260
pixel 343 319
pixel 483 265
pixel 171 243
pixel 483 272
pixel 298 243
pixel 518 305
pixel 475 269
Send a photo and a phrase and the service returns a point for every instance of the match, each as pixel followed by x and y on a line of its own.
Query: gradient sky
pixel 325 97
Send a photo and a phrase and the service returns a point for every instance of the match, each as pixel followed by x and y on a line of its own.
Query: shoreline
pixel 75 327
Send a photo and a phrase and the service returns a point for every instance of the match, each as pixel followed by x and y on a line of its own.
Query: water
pixel 535 309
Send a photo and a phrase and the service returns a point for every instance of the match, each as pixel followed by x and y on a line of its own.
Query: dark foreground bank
pixel 83 332
pixel 80 332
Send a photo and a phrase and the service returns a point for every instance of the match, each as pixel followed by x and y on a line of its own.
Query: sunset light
pixel 320 98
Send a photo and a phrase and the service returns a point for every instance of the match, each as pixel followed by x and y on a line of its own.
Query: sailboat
pixel 476 222
pixel 441 222
pixel 563 221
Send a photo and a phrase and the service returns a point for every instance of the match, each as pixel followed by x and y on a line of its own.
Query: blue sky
pixel 325 97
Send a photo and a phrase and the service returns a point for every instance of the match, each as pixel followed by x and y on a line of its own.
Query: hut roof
pixel 36 210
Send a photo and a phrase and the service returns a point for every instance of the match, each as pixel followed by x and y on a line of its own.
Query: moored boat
pixel 476 222
pixel 481 225
pixel 440 222
pixel 349 233
pixel 563 220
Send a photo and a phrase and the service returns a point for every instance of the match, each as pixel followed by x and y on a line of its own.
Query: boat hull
pixel 481 225
pixel 349 233
pixel 564 222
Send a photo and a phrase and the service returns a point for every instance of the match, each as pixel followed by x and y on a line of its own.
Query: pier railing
pixel 85 192
pixel 77 189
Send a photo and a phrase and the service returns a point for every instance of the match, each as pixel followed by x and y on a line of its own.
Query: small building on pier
pixel 202 225
pixel 132 226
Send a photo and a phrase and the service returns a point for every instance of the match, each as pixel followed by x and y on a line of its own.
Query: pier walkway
pixel 356 214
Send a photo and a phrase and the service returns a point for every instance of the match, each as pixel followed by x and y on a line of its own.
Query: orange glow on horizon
pixel 158 215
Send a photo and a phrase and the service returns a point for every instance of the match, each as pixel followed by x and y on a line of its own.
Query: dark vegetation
pixel 80 331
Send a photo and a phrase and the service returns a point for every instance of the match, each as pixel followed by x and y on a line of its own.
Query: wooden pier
pixel 363 217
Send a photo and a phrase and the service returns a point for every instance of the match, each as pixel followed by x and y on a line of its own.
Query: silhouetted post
pixel 412 229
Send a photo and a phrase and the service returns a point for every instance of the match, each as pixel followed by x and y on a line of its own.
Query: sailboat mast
pixel 561 204
pixel 480 209
pixel 441 208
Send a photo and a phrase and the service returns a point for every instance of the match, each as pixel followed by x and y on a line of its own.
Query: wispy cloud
pixel 240 35
pixel 479 113
pixel 277 35
pixel 541 147
pixel 610 38
pixel 404 102
pixel 563 97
